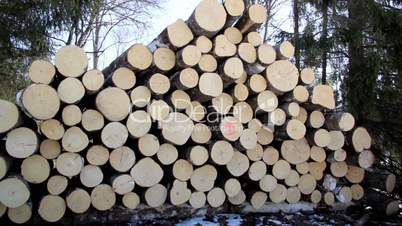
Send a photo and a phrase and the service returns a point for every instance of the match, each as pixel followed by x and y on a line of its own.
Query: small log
pixel 293 195
pixel 329 198
pixel 266 55
pixel 52 208
pixel 195 111
pixel 257 83
pixel 74 140
pixel 323 96
pixel 285 50
pixel 97 155
pixel 179 193
pixel 50 149
pixel 177 128
pixel 265 136
pixel 203 178
pixel 299 95
pixel 254 124
pixel 365 159
pixel 356 175
pixel 201 133
pixel 167 154
pixel 22 142
pixel 232 187
pixel 281 169
pixel 70 90
pixel 103 197
pixel 207 63
pixel 382 202
pixel 230 128
pixel 93 80
pixel 5 164
pixel 204 44
pixel 342 121
pixel 316 169
pixel 114 135
pixel 361 139
pixel 210 85
pixel 158 84
pixel 164 60
pixel 233 35
pixel 279 194
pixel 175 36
pixel 35 169
pixel 131 200
pixel 339 169
pixel 185 79
pixel 282 76
pixel 247 140
pixel 238 165
pixel 270 156
pixel 57 184
pixel 146 172
pixel 69 164
pixel 254 38
pixel 382 180
pixel 40 101
pixel 41 71
pixel 205 12
pixel 337 156
pixel 14 192
pixel 92 120
pixel 238 199
pixel 179 100
pixel 254 17
pixel 337 140
pixel 123 78
pixel 303 115
pixel 216 197
pixel 255 154
pixel 198 155
pixel 91 176
pixel 240 92
pixel 247 52
pixel 122 159
pixel 316 119
pixel 78 201
pixel 231 70
pixel 9 116
pixel 71 61
pixel 275 118
pixel 307 76
pixel 198 199
pixel 265 101
pixel 302 168
pixel 257 170
pixel 292 109
pixel 234 9
pixel 222 103
pixel 343 194
pixel 242 79
pixel 307 184
pixel 292 179
pixel 21 214
pixel 223 48
pixel 258 199
pixel 357 192
pixel 71 115
pixel 318 154
pixel 140 96
pixel 243 112
pixel 148 145
pixel 221 152
pixel 316 196
pixel 158 110
pixel 182 170
pixel 268 183
pixel 113 103
pixel 122 184
pixel 320 137
pixel 52 129
pixel 293 129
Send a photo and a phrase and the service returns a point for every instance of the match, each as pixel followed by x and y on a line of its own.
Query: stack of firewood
pixel 206 114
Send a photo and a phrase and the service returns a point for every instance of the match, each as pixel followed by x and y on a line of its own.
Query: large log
pixel 114 135
pixel 14 192
pixel 208 18
pixel 9 116
pixel 175 36
pixel 22 142
pixel 147 172
pixel 167 154
pixel 74 140
pixel 113 103
pixel 71 90
pixel 203 178
pixel 93 80
pixel 52 208
pixel 35 169
pixel 91 176
pixel 254 17
pixel 41 71
pixel 103 197
pixel 56 184
pixel 71 61
pixel 382 180
pixel 69 164
pixel 122 159
pixel 40 101
pixel 21 214
pixel 282 76
pixel 71 115
pixel 234 9
pixel 78 201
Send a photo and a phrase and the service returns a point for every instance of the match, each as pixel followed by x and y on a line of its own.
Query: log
pixel 266 55
pixel 148 145
pixel 164 59
pixel 265 136
pixel 357 192
pixel 204 44
pixel 131 200
pixel 122 184
pixel 40 101
pixel 302 168
pixel 230 128
pixel 293 129
pixel 339 169
pixel 74 140
pixel 201 133
pixel 254 17
pixel 257 170
pixel 320 137
pixel 71 61
pixel 232 187
pixel 281 169
pixel 21 214
pixel 316 169
pixel 292 179
pixel 205 12
pixel 323 96
pixel 195 111
pixel 50 149
pixel 167 154
pixel 337 156
pixel 299 95
pixel 52 208
pixel 329 198
pixel 198 155
pixel 307 76
pixel 52 129
pixel 254 124
pixel 5 164
pixel 247 52
pixel 356 175
pixel 41 71
pixel 198 199
pixel 316 119
pixel 279 194
pixel 182 170
pixel 35 169
pixel 177 128
pixel 292 109
pixel 114 135
pixel 238 199
pixel 113 103
pixel 316 196
pixel 221 152
pixel 361 139
pixel 285 50
pixel 122 159
pixel 234 9
pixel 240 92
pixel 175 36
pixel 265 101
pixel 343 194
pixel 318 154
pixel 180 100
pixel 379 179
pixel 254 38
pixel 93 80
pixel 243 112
pixel 123 78
pixel 158 110
pixel 268 183
pixel 242 79
pixel 146 172
pixel 223 48
pixel 203 178
pixel 78 201
pixel 275 118
pixel 216 197
pixel 140 96
pixel 156 195
pixel 222 103
pixel 255 154
pixel 303 115
pixel 258 199
pixel 342 121
pixel 71 115
pixel 233 35
pixel 69 164
pixel 307 184
pixel 9 116
pixel 247 140
pixel 293 195
pixel 158 84
pixel 210 85
pixel 185 79
pixel 14 192
pixel 207 63
pixel 91 176
pixel 238 165
pixel 179 193
pixel 366 159
pixel 337 140
pixel 70 90
pixel 257 83
pixel 103 197
pixel 97 155
pixel 231 70
pixel 282 76
pixel 21 142
pixel 270 156
pixel 92 120
pixel 56 184
pixel 382 203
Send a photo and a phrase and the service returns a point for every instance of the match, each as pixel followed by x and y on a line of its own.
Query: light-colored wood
pixel 123 78
pixel 216 197
pixel 282 76
pixel 344 194
pixel 307 184
pixel 40 101
pixel 316 169
pixel 233 35
pixel 131 200
pixel 156 195
pixel 366 159
pixel 255 154
pixel 158 110
pixel 276 117
pixel 182 170
pixel 78 201
pixel 71 115
pixel 223 47
pixel 307 76
pixel 204 44
pixel 238 199
pixel 74 140
pixel 339 169
pixel 175 36
pixel 179 193
pixel 92 120
pixel 316 196
pixel 337 140
pixel 41 71
pixel 357 192
pixel 318 154
pixel 56 184
pixel 71 61
pixel 52 208
pixel 210 84
pixel 270 156
pixel 221 152
pixel 21 142
pixel 70 90
pixel 52 129
pixel 69 164
pixel 140 96
pixel 323 95
pixel 198 155
pixel 9 116
pixel 319 137
pixel 292 179
pixel 302 168
pixel 293 195
pixel 35 169
pixel 234 9
pixel 122 159
pixel 254 38
pixel 177 128
pixel 146 172
pixel 230 128
pixel 268 183
pixel 113 103
pixel 91 176
pixel 338 155
pixel 93 80
pixel 14 192
pixel 185 79
pixel 114 135
pixel 207 63
pixel 247 52
pixel 257 170
pixel 243 112
pixel 254 17
pixel 208 18
pixel 222 103
pixel 329 198
pixel 355 174
pixel 265 101
pixel 281 169
pixel 164 59
pixel 97 155
pixel 238 165
pixel 5 164
pixel 294 129
pixel 159 84
pixel 167 154
pixel 195 111
pixel 343 121
pixel 242 79
pixel 198 199
pixel 180 100
pixel 303 115
pixel 203 178
pixel 232 187
pixel 258 199
pixel 189 56
pixel 361 139
pixel 285 50
pixel 21 214
pixel 201 133
pixel 231 70
pixel 265 136
pixel 254 124
pixel 148 145
pixel 299 94
pixel 316 119
pixel 123 184
pixel 103 197
pixel 257 83
pixel 279 194
pixel 248 139
pixel 292 109
pixel 266 54
pixel 240 92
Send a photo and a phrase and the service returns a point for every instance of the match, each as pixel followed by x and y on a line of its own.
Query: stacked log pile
pixel 206 114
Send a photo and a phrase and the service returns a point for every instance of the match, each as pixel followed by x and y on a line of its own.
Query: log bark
pixel 175 36
pixel 340 121
pixel 254 17
pixel 382 180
